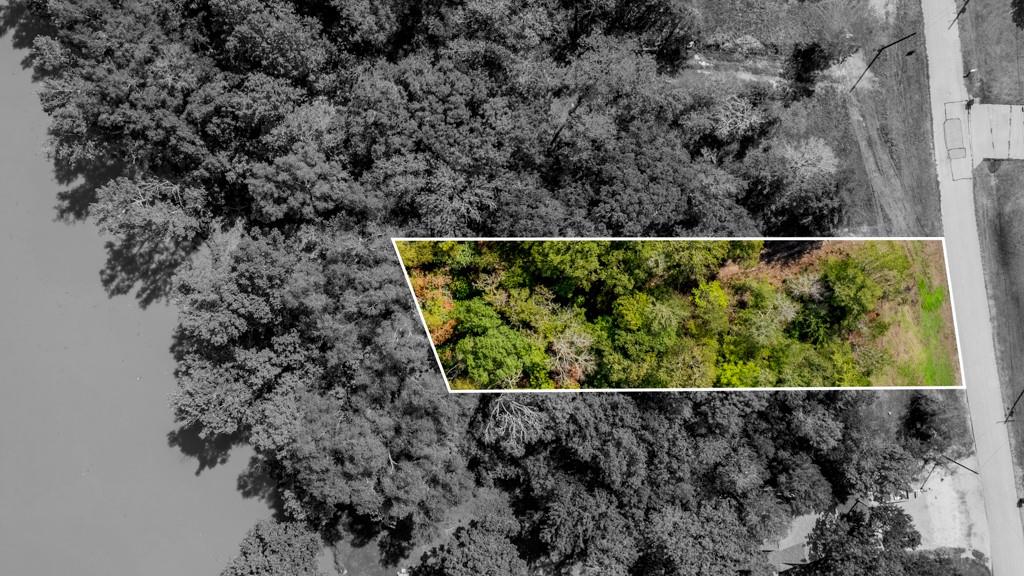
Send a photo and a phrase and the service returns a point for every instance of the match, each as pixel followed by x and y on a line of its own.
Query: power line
pixel 958 13
pixel 1009 414
pixel 959 464
pixel 877 54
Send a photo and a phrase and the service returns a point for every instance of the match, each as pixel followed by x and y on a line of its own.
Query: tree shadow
pixel 24 25
pixel 356 529
pixel 371 547
pixel 82 180
pixel 393 544
pixel 787 251
pixel 144 263
pixel 209 452
pixel 258 481
pixel 396 544
pixel 139 260
pixel 135 262
pixel 356 547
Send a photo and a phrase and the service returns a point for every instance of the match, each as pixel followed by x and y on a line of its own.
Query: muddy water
pixel 88 483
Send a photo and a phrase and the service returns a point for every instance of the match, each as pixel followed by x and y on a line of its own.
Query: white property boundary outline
pixel 447 384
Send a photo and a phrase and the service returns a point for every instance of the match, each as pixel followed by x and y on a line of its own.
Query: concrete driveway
pixel 997 131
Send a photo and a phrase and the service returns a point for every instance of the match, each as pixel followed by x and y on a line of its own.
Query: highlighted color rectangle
pixel 670 314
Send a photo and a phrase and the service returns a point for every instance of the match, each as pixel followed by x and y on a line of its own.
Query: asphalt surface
pixel 945 71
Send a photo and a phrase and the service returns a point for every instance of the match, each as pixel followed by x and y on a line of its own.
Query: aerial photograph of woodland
pixel 213 361
pixel 685 314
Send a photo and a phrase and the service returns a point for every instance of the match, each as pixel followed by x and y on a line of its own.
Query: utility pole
pixel 1009 414
pixel 958 13
pixel 877 54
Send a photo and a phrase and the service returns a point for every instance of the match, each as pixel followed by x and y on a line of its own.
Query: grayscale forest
pixel 250 161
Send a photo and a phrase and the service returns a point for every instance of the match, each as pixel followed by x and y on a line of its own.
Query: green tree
pixel 711 308
pixel 477 317
pixel 502 358
pixel 852 294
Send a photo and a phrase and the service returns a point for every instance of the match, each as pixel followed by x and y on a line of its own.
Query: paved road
pixel 945 71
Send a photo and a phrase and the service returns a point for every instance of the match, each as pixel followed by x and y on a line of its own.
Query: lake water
pixel 88 483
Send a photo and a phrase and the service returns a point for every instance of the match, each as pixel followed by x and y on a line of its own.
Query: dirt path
pixel 886 185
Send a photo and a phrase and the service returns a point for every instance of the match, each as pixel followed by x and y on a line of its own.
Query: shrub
pixel 476 317
pixel 812 324
pixel 739 375
pixel 711 308
pixel 804 286
pixel 845 371
pixel 632 312
pixel 886 263
pixel 501 358
pixel 852 294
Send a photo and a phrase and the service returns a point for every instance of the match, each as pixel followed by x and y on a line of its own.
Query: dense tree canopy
pixel 484 117
pixel 866 541
pixel 863 542
pixel 274 549
pixel 664 314
pixel 250 160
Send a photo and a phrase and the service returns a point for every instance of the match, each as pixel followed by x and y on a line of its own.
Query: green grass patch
pixel 918 334
pixel 932 365
pixel 936 368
